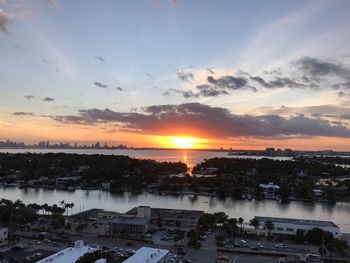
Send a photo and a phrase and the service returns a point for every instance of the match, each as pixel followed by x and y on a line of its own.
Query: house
pixel 270 190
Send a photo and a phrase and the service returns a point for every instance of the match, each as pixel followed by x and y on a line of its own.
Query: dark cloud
pixel 149 75
pixel 100 58
pixel 342 94
pixel 22 113
pixel 229 82
pixel 48 99
pixel 5 21
pixel 210 71
pixel 278 83
pixel 29 97
pixel 318 68
pixel 184 76
pixel 45 61
pixel 203 120
pixel 119 88
pixel 99 84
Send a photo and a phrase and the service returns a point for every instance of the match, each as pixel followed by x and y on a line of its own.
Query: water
pixel 338 213
pixel 122 202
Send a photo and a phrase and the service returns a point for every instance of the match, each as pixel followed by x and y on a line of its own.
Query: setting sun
pixel 182 142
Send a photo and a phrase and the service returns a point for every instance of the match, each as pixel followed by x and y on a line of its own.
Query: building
pixel 62 181
pixel 70 254
pixel 270 190
pixel 289 226
pixel 148 255
pixel 173 218
pixel 112 224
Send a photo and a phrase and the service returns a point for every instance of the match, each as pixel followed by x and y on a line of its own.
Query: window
pixel 289 229
pixel 280 228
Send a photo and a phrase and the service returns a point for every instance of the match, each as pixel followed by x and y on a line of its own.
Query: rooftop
pixel 70 254
pixel 316 223
pixel 147 255
pixel 127 220
pixel 168 211
pixel 91 213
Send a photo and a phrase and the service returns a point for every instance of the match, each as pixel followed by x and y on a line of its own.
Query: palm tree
pixel 71 205
pixel 240 222
pixel 159 222
pixel 269 226
pixel 255 223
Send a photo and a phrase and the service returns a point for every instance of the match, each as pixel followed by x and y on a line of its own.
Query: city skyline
pixel 177 74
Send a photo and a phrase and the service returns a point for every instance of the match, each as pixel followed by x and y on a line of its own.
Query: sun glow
pixel 182 142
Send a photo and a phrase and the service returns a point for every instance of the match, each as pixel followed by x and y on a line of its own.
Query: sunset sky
pixel 185 73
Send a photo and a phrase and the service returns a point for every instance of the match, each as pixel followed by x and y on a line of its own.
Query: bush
pixel 219 244
pixel 220 238
pixel 337 246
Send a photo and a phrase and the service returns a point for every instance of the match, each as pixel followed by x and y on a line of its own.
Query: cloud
pixel 52 2
pixel 17 46
pixel 229 82
pixel 210 71
pixel 48 99
pixel 45 61
pixel 319 68
pixel 100 58
pixel 22 113
pixel 197 119
pixel 99 84
pixel 278 83
pixel 29 97
pixel 184 76
pixel 5 20
pixel 119 88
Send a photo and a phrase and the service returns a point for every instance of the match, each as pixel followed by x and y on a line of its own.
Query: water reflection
pixel 122 202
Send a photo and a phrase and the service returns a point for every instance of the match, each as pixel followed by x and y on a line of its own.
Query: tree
pixel 177 224
pixel 230 227
pixel 240 222
pixel 255 223
pixel 299 236
pixel 159 221
pixel 316 236
pixel 220 218
pixel 96 255
pixel 269 226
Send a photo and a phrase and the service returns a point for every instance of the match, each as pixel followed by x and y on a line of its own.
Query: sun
pixel 184 142
pixel 181 142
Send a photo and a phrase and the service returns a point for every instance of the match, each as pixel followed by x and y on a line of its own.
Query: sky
pixel 184 74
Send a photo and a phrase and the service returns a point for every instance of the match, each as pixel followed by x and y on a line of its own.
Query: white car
pixel 243 243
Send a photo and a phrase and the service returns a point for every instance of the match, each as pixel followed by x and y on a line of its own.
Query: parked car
pixel 243 243
pixel 281 245
pixel 259 245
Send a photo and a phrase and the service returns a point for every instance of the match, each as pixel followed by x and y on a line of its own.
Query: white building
pixel 69 255
pixel 269 190
pixel 148 255
pixel 289 226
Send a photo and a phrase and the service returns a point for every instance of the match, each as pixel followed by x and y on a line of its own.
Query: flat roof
pixel 126 220
pixel 91 213
pixel 169 211
pixel 147 255
pixel 67 255
pixel 297 221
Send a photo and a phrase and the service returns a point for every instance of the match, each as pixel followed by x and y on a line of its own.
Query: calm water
pixel 338 213
pixel 83 199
